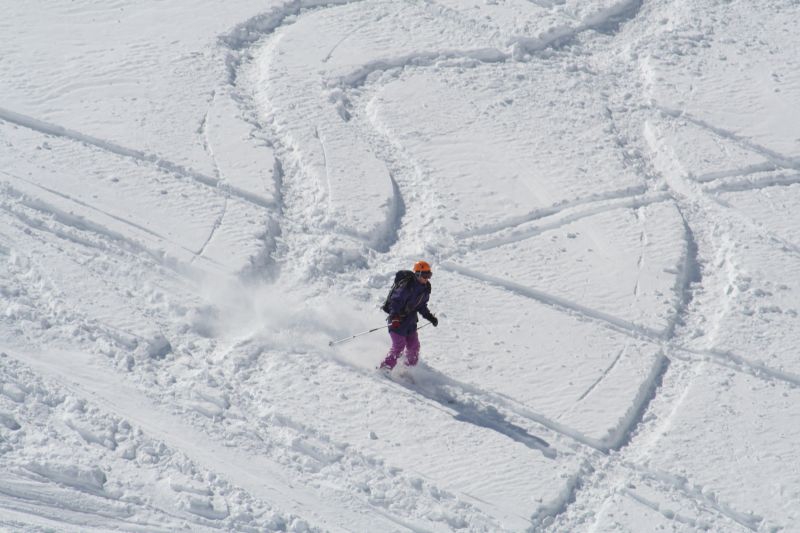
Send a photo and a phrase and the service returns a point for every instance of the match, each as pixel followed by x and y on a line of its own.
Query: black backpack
pixel 401 279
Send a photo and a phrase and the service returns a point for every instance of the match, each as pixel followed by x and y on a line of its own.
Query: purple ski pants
pixel 409 342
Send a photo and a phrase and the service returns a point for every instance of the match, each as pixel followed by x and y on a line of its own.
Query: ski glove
pixel 433 320
pixel 395 322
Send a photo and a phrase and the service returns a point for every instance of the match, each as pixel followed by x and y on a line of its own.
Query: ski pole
pixel 331 343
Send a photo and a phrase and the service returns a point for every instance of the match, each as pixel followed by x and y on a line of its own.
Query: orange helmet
pixel 422 266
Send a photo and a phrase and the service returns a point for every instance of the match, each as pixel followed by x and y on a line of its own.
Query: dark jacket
pixel 405 302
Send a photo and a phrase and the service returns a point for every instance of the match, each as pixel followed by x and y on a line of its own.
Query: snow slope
pixel 195 199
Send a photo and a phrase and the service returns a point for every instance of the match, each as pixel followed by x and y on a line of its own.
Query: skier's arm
pixel 427 315
pixel 425 312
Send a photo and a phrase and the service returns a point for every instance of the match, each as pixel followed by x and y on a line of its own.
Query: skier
pixel 408 296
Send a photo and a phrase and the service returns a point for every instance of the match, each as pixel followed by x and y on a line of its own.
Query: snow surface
pixel 196 198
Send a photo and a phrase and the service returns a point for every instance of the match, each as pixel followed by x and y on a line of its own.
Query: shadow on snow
pixel 456 396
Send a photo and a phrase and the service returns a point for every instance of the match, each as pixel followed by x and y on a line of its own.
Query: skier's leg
pixel 412 348
pixel 398 343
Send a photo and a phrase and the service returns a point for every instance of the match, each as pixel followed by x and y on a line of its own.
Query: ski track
pixel 685 195
pixel 252 30
pixel 616 323
pixel 736 172
pixel 758 227
pixel 248 33
pixel 320 446
pixel 404 173
pixel 482 407
pixel 55 517
pixel 47 128
pixel 742 364
pixel 696 493
pixel 207 145
pixel 327 167
pixel 778 160
pixel 436 387
pixel 348 35
pixel 640 259
pixel 629 197
pixel 103 232
pixel 217 224
pixel 86 205
pixel 755 184
pixel 603 375
pixel 605 20
pixel 245 470
pixel 608 21
pixel 122 337
pixel 562 216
